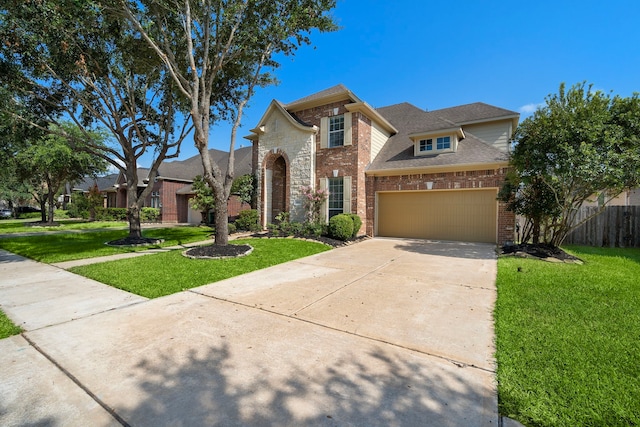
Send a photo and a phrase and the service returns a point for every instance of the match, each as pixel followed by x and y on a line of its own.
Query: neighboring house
pixel 405 171
pixel 106 185
pixel 625 198
pixel 172 187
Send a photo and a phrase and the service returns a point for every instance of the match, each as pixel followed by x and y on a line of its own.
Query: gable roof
pixel 334 93
pixel 186 170
pixel 104 183
pixel 398 154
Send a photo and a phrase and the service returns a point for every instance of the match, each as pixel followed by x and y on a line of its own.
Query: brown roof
pixel 469 113
pixel 188 169
pixel 398 152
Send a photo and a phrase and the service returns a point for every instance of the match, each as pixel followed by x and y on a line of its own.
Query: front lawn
pixel 162 274
pixel 568 339
pixel 12 226
pixel 53 248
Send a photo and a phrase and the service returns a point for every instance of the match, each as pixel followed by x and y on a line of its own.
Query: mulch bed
pixel 135 241
pixel 218 251
pixel 539 251
pixel 322 239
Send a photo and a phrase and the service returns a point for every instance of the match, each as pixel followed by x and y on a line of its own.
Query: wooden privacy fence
pixel 616 226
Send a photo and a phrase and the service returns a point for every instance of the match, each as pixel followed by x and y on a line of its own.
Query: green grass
pixel 7 328
pixel 167 273
pixel 568 339
pixel 11 226
pixel 66 247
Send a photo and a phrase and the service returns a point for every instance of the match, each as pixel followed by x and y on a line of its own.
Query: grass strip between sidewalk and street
pixel 53 248
pixel 7 328
pixel 167 273
pixel 568 339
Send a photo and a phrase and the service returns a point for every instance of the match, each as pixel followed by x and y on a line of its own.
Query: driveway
pixel 385 332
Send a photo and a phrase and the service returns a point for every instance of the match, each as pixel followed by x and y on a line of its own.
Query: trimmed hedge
pixel 341 227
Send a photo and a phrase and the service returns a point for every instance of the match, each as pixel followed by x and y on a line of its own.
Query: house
pixel 405 171
pixel 172 188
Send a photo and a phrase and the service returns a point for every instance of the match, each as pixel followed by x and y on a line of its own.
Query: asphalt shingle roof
pixel 398 152
pixel 188 169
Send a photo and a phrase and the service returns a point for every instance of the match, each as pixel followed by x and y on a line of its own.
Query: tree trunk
pixel 133 215
pixel 50 196
pixel 43 210
pixel 133 212
pixel 221 217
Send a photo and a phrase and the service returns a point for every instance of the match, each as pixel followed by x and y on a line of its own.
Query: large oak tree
pixel 218 52
pixel 74 60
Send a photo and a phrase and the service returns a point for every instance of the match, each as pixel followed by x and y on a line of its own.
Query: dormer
pixel 441 141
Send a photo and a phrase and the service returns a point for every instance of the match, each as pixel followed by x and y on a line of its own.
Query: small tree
pixel 244 186
pixel 582 144
pixel 313 202
pixel 96 200
pixel 203 200
pixel 51 162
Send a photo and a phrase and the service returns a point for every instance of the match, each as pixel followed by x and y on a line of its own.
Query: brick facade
pixel 293 155
pixel 458 180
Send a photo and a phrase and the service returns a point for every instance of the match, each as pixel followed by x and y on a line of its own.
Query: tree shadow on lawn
pixel 374 389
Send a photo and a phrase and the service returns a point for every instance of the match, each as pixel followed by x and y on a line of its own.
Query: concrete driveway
pixel 385 332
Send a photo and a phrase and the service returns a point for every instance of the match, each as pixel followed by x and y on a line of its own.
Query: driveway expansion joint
pixel 293 316
pixel 76 381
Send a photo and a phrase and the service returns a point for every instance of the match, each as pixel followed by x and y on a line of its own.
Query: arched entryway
pixel 276 189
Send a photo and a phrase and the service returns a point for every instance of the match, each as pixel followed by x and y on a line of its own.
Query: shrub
pixel 248 220
pixel 61 214
pixel 314 229
pixel 357 223
pixel 231 228
pixel 111 214
pixel 149 214
pixel 341 227
pixel 74 210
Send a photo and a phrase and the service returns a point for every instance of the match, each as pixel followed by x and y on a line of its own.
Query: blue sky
pixel 437 54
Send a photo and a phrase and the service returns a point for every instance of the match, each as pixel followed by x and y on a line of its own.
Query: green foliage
pixel 567 339
pixel 341 227
pixel 79 206
pixel 111 214
pixel 314 229
pixel 203 201
pixel 7 328
pixel 245 187
pixel 357 223
pixel 95 200
pixel 581 144
pixel 150 214
pixel 248 220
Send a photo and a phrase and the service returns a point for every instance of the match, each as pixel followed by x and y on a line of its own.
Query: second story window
pixel 443 143
pixel 426 145
pixel 336 131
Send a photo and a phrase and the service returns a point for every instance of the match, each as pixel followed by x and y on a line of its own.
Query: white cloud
pixel 530 108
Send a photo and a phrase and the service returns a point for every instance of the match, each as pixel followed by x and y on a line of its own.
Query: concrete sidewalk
pixel 385 332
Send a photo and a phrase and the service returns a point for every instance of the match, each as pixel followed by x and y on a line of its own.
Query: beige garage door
pixel 466 215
